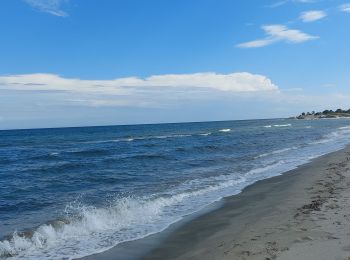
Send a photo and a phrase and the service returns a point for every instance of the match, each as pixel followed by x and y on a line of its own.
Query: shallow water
pixel 73 192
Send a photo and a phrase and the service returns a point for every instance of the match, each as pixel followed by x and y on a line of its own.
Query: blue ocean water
pixel 72 192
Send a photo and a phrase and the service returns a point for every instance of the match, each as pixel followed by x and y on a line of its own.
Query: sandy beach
pixel 302 214
pixel 164 130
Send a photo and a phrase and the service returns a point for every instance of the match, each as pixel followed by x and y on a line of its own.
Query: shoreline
pixel 274 217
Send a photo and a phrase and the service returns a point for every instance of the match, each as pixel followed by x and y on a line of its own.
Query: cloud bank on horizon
pixel 233 82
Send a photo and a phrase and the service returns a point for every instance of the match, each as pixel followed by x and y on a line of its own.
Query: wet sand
pixel 302 214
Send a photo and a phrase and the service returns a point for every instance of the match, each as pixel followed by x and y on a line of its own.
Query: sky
pixel 91 62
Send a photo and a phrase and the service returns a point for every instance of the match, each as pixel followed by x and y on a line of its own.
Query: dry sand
pixel 303 214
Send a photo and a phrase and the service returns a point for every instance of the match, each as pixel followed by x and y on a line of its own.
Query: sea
pixel 72 192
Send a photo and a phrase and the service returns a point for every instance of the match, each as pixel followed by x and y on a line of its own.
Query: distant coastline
pixel 339 113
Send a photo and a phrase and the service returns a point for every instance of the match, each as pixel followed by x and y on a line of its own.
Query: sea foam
pixel 225 130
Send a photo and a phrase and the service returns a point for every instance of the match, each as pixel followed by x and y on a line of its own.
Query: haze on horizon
pixel 86 62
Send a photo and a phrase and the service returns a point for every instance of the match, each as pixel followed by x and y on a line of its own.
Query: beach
pixel 164 130
pixel 302 214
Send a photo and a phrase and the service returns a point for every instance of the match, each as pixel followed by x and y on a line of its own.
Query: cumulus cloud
pixel 234 82
pixel 277 33
pixel 52 7
pixel 311 16
pixel 345 8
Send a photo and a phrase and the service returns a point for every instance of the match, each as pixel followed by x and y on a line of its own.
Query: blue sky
pixel 89 62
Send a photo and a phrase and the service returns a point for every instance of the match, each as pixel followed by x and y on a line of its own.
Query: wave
pixel 89 152
pixel 86 230
pixel 148 156
pixel 276 152
pixel 137 138
pixel 264 168
pixel 344 127
pixel 225 130
pixel 206 147
pixel 283 125
pixel 171 136
pixel 59 166
pixel 49 156
pixel 110 141
pixel 338 135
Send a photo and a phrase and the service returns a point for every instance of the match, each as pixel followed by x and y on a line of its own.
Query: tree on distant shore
pixel 325 112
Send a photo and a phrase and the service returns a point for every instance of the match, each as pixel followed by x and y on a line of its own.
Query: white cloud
pixel 277 4
pixel 234 82
pixel 345 8
pixel 257 43
pixel 283 2
pixel 305 1
pixel 49 6
pixel 311 16
pixel 277 33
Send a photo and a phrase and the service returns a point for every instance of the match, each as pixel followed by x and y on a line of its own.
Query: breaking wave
pixel 85 229
pixel 225 130
pixel 277 152
pixel 283 125
pixel 335 136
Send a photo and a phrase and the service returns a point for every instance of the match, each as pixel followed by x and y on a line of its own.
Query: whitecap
pixel 283 150
pixel 344 127
pixel 225 130
pixel 285 125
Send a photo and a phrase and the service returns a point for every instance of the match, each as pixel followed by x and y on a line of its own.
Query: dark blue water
pixel 76 191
